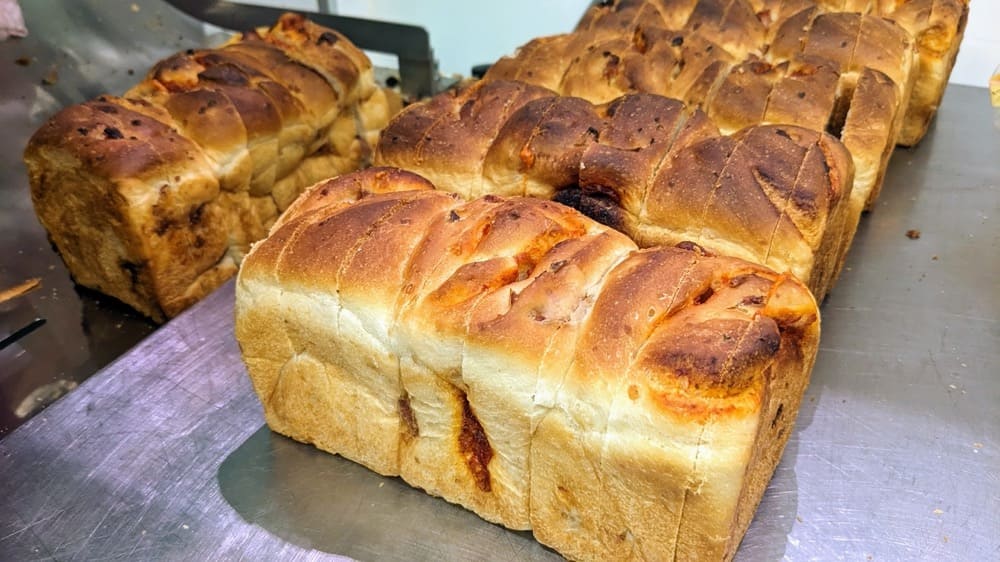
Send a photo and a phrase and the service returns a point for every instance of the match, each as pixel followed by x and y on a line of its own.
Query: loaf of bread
pixel 937 27
pixel 519 359
pixel 644 164
pixel 154 197
pixel 748 29
pixel 847 74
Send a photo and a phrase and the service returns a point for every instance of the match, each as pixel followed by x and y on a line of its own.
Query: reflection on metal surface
pixel 318 501
pixel 42 397
pixel 93 47
pixel 895 455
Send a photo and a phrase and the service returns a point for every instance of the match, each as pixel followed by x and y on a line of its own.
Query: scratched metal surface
pixel 74 51
pixel 896 454
pixel 163 454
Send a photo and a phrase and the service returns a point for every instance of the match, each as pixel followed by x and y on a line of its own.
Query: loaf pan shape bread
pixel 846 74
pixel 749 29
pixel 517 358
pixel 154 197
pixel 644 164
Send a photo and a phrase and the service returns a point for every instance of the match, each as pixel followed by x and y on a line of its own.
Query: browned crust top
pixel 685 322
pixel 640 157
pixel 235 93
pixel 110 137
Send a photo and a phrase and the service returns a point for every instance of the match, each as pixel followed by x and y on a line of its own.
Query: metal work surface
pixel 163 454
pixel 896 453
pixel 74 51
pixel 57 335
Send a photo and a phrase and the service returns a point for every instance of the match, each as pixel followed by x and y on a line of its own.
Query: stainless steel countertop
pixel 75 51
pixel 80 49
pixel 896 453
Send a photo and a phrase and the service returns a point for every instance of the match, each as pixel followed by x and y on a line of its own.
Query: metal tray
pixel 896 453
pixel 54 338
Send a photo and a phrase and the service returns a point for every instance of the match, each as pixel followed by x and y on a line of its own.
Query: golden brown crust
pixel 778 29
pixel 130 203
pixel 806 94
pixel 758 62
pixel 97 130
pixel 154 197
pixel 645 165
pixel 541 61
pixel 349 188
pixel 528 363
pixel 316 95
pixel 804 70
pixel 327 52
pixel 937 27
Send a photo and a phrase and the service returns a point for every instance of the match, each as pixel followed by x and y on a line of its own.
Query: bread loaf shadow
pixel 325 502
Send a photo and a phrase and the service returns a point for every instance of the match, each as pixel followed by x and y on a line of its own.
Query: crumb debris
pixel 50 78
pixel 20 289
pixel 22 61
pixel 134 7
pixel 42 396
pixel 913 234
pixel 938 511
pixel 934 257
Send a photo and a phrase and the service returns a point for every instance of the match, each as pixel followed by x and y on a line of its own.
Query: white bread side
pixel 528 363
